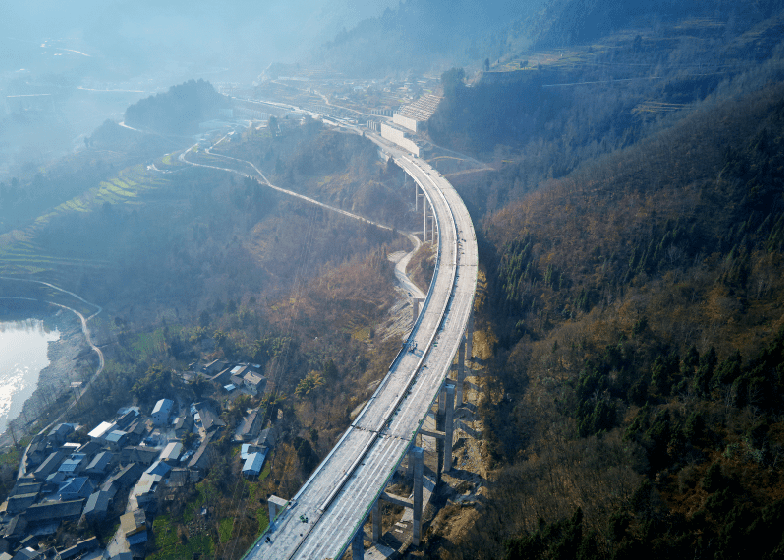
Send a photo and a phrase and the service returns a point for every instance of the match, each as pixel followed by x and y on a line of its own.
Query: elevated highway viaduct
pixel 327 515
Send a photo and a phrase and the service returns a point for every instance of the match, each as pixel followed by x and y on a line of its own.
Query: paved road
pixel 337 497
pixel 87 336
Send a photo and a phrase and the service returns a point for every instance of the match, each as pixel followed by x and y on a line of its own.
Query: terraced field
pixel 21 252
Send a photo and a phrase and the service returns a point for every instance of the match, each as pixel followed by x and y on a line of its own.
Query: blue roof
pixel 72 463
pixel 100 461
pixel 160 468
pixel 254 463
pixel 115 436
pixel 74 485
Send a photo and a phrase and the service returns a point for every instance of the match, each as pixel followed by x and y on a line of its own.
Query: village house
pixel 171 453
pixel 100 464
pixel 162 411
pixel 139 454
pixel 50 465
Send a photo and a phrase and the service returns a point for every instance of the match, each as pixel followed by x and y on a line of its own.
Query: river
pixel 23 354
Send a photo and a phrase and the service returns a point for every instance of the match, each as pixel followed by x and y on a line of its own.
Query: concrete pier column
pixel 470 337
pixel 415 304
pixel 358 544
pixel 376 515
pixel 460 373
pixel 449 425
pixel 416 195
pixel 424 221
pixel 419 472
pixel 440 417
pixel 433 228
pixel 275 505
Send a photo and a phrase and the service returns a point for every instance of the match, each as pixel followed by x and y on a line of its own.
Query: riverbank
pixel 55 379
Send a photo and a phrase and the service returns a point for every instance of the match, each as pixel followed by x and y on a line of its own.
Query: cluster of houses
pixel 121 466
pixel 233 376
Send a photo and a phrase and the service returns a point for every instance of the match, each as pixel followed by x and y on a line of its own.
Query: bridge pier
pixel 424 221
pixel 358 544
pixel 416 465
pixel 449 426
pixel 444 429
pixel 275 505
pixel 415 305
pixel 419 473
pixel 375 513
pixel 461 354
pixel 470 336
pixel 417 196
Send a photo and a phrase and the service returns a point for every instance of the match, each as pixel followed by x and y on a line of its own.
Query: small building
pixel 59 433
pixel 117 439
pixel 179 477
pixel 222 376
pixel 126 476
pixel 255 383
pixel 209 420
pixel 268 437
pixel 171 453
pixel 53 511
pixel 75 489
pixel 127 416
pixel 100 464
pixel 37 451
pixel 159 468
pixel 134 525
pixel 79 549
pixel 90 448
pixel 162 411
pixel 183 425
pixel 144 491
pixel 97 505
pixel 202 459
pixel 247 449
pixel 15 529
pixel 100 431
pixel 27 553
pixel 253 464
pixel 20 502
pixel 26 485
pixel 50 465
pixel 251 426
pixel 214 367
pixel 139 454
pixel 73 465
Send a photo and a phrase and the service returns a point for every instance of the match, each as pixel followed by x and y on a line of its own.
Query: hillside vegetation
pixel 179 110
pixel 635 407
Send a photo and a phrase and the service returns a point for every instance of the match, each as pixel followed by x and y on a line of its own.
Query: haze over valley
pixel 249 233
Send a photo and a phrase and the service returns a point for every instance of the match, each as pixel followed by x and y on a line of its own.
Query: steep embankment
pixel 639 373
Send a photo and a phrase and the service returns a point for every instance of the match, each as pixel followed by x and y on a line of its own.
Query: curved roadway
pixel 337 497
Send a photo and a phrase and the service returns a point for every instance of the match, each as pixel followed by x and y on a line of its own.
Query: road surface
pixel 336 499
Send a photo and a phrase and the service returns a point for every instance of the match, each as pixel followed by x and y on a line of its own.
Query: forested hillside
pixel 636 308
pixel 179 110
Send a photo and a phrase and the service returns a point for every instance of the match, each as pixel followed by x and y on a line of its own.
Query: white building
pixel 162 411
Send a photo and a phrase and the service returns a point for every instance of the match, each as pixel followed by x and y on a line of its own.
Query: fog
pixel 67 66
